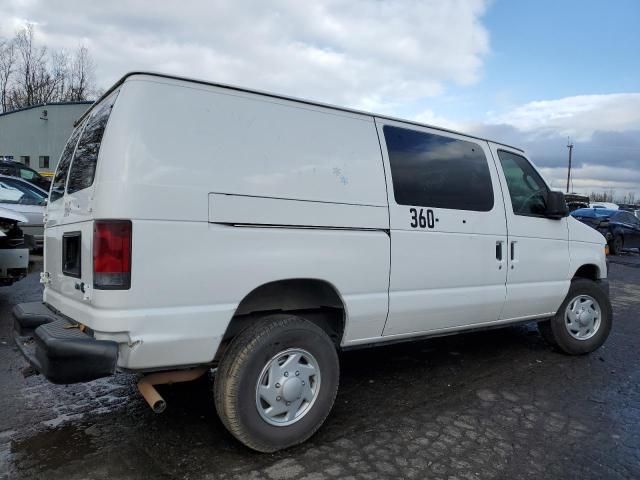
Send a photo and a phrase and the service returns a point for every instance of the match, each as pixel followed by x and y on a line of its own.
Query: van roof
pixel 285 97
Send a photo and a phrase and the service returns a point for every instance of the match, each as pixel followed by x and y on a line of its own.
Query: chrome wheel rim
pixel 583 317
pixel 287 387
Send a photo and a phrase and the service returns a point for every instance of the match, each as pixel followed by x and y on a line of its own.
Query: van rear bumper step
pixel 58 349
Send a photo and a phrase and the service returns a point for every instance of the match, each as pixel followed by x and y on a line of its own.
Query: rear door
pixel 538 250
pixel 448 231
pixel 69 218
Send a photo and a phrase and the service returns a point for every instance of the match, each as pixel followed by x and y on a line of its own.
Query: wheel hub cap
pixel 291 389
pixel 582 317
pixel 287 387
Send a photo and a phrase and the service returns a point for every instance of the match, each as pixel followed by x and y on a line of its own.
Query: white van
pixel 194 225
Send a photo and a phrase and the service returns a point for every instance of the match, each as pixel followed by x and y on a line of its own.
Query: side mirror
pixel 556 205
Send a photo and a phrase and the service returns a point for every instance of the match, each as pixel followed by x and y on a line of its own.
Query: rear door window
pixel 60 178
pixel 85 160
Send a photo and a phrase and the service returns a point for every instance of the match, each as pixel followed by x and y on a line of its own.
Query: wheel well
pixel 592 272
pixel 315 300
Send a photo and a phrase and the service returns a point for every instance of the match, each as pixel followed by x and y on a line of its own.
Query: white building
pixel 36 135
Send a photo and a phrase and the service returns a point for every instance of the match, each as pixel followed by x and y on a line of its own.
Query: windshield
pixel 14 192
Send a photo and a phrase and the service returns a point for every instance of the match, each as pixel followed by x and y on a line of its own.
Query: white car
pixel 14 256
pixel 27 199
pixel 194 225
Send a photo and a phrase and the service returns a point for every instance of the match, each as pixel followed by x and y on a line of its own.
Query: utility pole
pixel 570 147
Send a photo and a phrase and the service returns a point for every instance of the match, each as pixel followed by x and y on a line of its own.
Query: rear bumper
pixel 58 349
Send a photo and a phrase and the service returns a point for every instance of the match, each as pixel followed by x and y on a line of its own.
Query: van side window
pixel 437 171
pixel 85 159
pixel 527 190
pixel 60 178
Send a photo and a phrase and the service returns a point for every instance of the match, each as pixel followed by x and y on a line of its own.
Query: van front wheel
pixel 583 321
pixel 277 382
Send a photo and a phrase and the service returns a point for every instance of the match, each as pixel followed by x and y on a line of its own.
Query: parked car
pixel 295 230
pixel 606 205
pixel 27 199
pixel 17 169
pixel 619 227
pixel 629 207
pixel 14 254
pixel 575 201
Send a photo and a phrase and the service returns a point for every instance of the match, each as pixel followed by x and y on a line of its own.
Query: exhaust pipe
pixel 146 385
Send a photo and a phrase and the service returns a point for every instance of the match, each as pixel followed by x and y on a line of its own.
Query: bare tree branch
pixel 32 74
pixel 7 68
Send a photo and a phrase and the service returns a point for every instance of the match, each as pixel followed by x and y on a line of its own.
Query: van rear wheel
pixel 583 321
pixel 277 382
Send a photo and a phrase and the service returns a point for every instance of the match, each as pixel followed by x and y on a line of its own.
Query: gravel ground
pixel 497 404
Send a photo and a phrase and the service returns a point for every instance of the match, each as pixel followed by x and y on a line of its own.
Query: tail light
pixel 112 254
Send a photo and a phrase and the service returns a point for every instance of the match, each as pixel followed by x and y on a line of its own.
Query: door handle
pixel 512 254
pixel 499 254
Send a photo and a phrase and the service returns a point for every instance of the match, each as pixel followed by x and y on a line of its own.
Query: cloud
pixel 605 130
pixel 429 117
pixel 579 117
pixel 360 53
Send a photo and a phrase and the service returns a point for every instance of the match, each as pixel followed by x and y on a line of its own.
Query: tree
pixel 7 67
pixel 82 76
pixel 32 74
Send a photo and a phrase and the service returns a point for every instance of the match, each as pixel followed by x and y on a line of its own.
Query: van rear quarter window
pixel 60 178
pixel 437 171
pixel 85 160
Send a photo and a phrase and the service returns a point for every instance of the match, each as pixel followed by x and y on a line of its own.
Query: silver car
pixel 27 199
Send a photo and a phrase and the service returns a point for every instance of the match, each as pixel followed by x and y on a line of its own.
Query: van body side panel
pixel 173 143
pixel 242 209
pixel 189 277
pixel 176 157
pixel 586 247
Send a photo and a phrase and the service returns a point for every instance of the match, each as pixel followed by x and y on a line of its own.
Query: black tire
pixel 616 245
pixel 546 333
pixel 242 365
pixel 557 331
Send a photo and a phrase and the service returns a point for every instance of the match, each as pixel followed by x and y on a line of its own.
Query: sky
pixel 528 73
